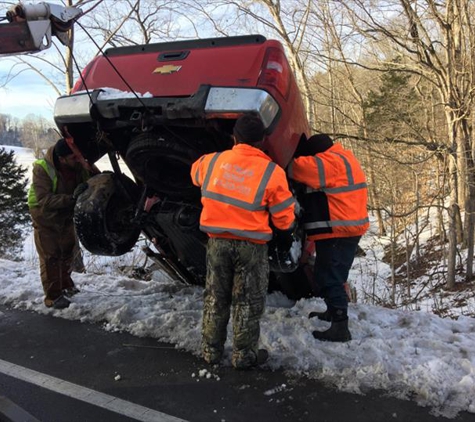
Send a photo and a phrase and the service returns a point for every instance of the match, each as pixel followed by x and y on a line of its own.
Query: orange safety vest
pixel 335 202
pixel 240 188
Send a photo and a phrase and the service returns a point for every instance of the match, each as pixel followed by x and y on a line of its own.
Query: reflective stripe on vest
pixel 342 189
pixel 51 172
pixel 334 223
pixel 255 205
pixel 349 175
pixel 241 233
pixel 197 173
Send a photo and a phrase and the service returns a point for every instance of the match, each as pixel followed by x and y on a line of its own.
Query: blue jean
pixel 334 258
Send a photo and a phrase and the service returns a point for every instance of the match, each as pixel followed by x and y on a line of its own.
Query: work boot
pixel 261 358
pixel 212 354
pixel 60 303
pixel 338 332
pixel 323 316
pixel 212 359
pixel 71 291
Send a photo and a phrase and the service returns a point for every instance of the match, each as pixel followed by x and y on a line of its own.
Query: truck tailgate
pixel 178 68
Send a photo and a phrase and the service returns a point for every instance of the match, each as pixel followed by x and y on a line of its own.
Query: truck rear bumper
pixel 235 101
pixel 208 103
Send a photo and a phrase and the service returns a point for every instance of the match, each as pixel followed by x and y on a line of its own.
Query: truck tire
pixel 103 215
pixel 164 163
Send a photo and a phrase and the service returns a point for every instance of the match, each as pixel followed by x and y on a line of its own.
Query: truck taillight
pixel 275 71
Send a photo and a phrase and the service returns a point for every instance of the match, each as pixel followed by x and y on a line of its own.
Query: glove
pixel 284 239
pixel 79 190
pixel 302 149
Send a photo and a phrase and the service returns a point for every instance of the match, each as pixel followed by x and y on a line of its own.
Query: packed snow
pixel 114 94
pixel 410 354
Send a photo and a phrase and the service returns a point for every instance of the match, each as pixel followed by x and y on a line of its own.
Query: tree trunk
pixel 452 232
pixel 393 257
pixel 469 203
pixel 69 65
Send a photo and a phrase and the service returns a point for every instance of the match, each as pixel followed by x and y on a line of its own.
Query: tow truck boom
pixel 30 27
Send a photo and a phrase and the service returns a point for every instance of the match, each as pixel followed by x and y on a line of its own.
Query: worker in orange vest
pixel 241 190
pixel 335 217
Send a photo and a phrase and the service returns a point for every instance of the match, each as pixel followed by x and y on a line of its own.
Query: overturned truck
pixel 159 107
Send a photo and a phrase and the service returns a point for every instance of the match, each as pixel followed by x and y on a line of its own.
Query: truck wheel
pixel 103 214
pixel 295 286
pixel 162 163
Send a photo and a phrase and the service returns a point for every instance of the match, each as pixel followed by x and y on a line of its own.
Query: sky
pixel 410 354
pixel 28 93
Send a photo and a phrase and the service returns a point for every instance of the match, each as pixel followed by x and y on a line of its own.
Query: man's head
pixel 65 154
pixel 314 145
pixel 62 149
pixel 249 130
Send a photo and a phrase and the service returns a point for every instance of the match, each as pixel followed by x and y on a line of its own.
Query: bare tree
pixel 436 41
pixel 134 22
pixel 56 69
pixel 37 134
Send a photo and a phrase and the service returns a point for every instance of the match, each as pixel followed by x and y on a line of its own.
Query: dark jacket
pixel 50 197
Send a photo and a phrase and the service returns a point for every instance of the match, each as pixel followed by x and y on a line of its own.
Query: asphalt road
pixel 157 376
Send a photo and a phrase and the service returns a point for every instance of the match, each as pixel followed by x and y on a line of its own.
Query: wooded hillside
pixel 393 80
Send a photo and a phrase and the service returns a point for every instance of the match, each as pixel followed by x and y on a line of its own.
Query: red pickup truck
pixel 160 107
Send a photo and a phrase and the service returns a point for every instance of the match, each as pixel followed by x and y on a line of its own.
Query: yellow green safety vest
pixel 51 172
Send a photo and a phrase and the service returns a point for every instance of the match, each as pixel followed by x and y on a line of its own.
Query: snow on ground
pixel 423 289
pixel 410 354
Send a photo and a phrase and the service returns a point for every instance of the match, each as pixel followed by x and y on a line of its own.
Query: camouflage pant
pixel 237 275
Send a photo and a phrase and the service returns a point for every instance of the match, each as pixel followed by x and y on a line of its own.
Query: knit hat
pixel 314 145
pixel 249 129
pixel 61 149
